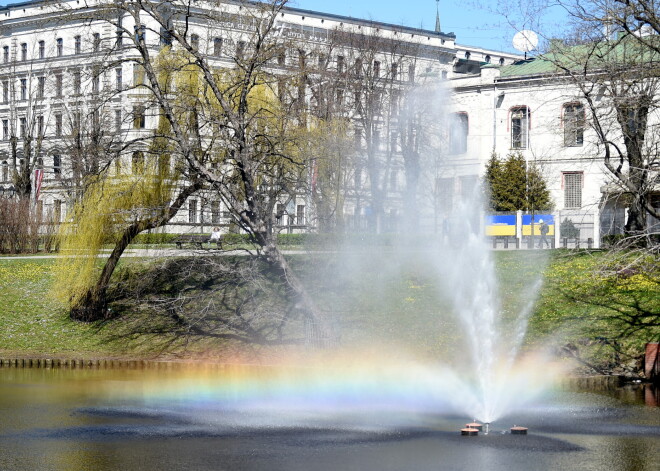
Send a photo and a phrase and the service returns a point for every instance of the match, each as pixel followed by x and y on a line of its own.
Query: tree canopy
pixel 512 184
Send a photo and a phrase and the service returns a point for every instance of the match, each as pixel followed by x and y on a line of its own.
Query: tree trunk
pixel 94 305
pixel 296 289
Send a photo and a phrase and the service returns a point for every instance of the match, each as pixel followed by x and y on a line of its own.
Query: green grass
pixel 385 302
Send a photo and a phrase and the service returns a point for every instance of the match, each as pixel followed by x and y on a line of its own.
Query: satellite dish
pixel 525 41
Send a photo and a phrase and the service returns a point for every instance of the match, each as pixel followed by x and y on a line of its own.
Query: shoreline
pixel 582 381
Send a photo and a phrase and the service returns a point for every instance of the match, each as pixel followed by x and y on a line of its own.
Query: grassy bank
pixel 601 316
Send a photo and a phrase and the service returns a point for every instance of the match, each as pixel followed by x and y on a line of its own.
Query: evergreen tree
pixel 512 185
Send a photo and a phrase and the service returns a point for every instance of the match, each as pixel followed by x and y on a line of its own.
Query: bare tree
pixel 225 125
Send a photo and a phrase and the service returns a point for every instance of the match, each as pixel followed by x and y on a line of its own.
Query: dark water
pixel 60 419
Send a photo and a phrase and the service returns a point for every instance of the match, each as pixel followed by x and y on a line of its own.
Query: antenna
pixel 525 41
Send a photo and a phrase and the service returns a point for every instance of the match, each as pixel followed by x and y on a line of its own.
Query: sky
pixel 475 22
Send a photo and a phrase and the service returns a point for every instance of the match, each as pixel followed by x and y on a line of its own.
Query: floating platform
pixel 472 432
pixel 475 425
pixel 518 430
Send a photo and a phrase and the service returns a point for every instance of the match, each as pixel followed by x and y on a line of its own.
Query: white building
pixel 67 80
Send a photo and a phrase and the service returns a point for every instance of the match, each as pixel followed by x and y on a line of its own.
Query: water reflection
pixel 60 419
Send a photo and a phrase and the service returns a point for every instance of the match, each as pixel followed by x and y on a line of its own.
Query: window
pixel 118 79
pixel 357 100
pixel 138 75
pixel 5 171
pixel 300 214
pixel 192 211
pixel 24 89
pixel 77 44
pixel 358 67
pixel 458 133
pixel 375 139
pixel 394 102
pixel 60 46
pixel 163 164
pixel 340 64
pixel 138 117
pixel 501 60
pixel 281 57
pixel 57 210
pixel 119 41
pixel 240 49
pixel 5 54
pixel 468 185
pixel 24 52
pixel 58 85
pixel 5 129
pixel 340 97
pixel 118 120
pixel 76 82
pixel 57 164
pixel 573 125
pixel 395 71
pixel 217 47
pixel 58 124
pixel 194 42
pixel 41 86
pixel 75 124
pixel 394 136
pixel 137 162
pixel 165 37
pixel 572 182
pixel 357 138
pixel 22 126
pixel 487 59
pixel 96 42
pixel 411 73
pixel 40 125
pixel 376 69
pixel 519 127
pixel 279 212
pixel 5 91
pixel 96 80
pixel 467 55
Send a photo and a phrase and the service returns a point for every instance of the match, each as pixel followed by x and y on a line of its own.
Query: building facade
pixel 74 103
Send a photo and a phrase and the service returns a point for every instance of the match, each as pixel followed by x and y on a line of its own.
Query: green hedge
pixel 305 239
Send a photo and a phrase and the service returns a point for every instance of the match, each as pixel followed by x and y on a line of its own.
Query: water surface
pixel 63 419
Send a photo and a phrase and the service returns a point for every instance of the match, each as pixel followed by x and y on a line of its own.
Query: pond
pixel 212 419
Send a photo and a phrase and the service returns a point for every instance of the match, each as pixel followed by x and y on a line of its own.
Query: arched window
pixel 57 164
pixel 458 133
pixel 573 121
pixel 519 127
pixel 501 60
pixel 467 55
pixel 487 59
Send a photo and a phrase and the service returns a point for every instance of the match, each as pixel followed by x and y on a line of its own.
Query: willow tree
pixel 228 129
pixel 115 208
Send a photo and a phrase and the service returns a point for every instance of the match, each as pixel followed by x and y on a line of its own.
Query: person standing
pixel 544 229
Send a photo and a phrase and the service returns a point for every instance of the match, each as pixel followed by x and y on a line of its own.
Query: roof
pixel 288 9
pixel 626 51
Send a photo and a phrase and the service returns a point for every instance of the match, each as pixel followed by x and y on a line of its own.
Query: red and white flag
pixel 38 177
